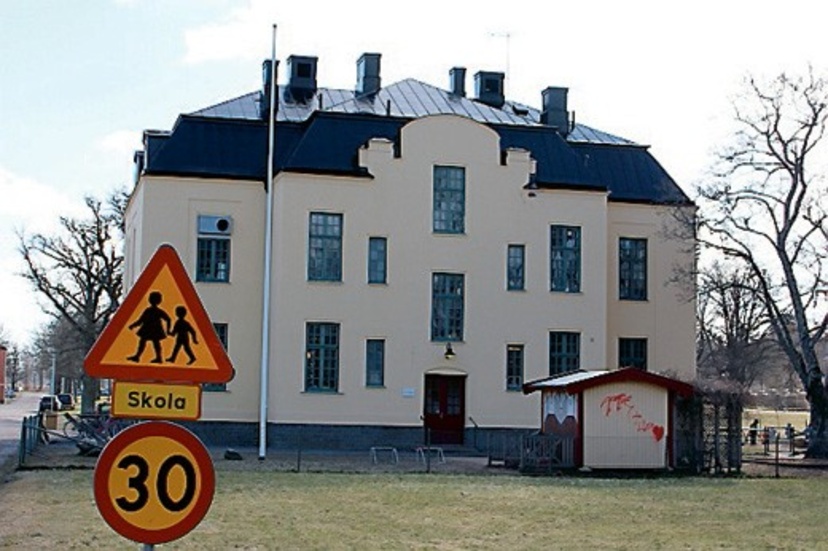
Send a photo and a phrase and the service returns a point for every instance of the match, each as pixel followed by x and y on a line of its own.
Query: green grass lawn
pixel 263 510
pixel 775 418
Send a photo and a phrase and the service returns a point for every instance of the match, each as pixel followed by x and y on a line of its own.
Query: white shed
pixel 619 419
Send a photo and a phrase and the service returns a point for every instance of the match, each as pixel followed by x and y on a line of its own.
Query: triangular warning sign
pixel 161 331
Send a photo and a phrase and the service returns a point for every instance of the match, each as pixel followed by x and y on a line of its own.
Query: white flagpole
pixel 263 379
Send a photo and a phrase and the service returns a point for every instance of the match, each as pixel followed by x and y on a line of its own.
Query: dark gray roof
pixel 324 134
pixel 409 98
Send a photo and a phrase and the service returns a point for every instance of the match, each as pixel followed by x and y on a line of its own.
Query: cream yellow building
pixel 431 252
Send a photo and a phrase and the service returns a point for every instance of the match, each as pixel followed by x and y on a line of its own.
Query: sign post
pixel 154 481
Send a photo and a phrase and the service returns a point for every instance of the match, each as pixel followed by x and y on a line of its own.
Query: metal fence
pixel 532 453
pixel 31 435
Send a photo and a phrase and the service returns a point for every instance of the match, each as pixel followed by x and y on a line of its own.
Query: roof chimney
pixel 489 88
pixel 368 75
pixel 264 95
pixel 457 81
pixel 554 111
pixel 302 77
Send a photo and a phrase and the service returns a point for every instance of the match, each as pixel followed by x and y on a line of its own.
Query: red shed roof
pixel 573 383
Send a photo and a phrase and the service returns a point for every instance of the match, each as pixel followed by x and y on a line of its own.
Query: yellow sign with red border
pixel 154 482
pixel 161 331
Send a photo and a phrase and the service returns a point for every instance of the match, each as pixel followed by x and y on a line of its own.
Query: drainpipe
pixel 263 378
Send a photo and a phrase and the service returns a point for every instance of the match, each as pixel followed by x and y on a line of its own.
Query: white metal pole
pixel 263 379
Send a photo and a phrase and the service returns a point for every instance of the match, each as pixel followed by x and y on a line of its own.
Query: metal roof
pixel 579 381
pixel 409 99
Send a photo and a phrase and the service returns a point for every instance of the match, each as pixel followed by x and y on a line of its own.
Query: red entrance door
pixel 445 408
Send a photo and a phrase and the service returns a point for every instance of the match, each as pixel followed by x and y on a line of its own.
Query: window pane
pixel 322 357
pixel 325 247
pixel 632 353
pixel 449 199
pixel 213 259
pixel 377 257
pixel 632 269
pixel 565 255
pixel 514 367
pixel 564 352
pixel 515 267
pixel 447 307
pixel 375 362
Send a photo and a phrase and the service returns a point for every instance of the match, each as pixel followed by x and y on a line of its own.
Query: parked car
pixel 49 402
pixel 67 401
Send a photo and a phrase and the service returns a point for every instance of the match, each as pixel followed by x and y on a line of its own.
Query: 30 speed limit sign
pixel 154 482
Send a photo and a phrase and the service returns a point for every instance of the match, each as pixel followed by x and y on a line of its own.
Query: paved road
pixel 11 416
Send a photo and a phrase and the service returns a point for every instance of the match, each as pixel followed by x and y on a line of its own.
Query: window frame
pixel 377 260
pixel 562 259
pixel 632 268
pixel 375 363
pixel 564 355
pixel 515 367
pixel 322 358
pixel 325 243
pixel 448 291
pixel 516 262
pixel 636 351
pixel 448 212
pixel 208 259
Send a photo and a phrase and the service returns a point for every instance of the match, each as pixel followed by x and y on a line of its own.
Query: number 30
pixel 138 482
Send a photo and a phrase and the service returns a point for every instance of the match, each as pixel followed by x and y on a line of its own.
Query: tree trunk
pixel 818 440
pixel 90 394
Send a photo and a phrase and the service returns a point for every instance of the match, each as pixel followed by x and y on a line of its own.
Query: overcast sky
pixel 80 80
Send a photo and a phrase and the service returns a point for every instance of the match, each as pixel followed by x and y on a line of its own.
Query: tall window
pixel 374 362
pixel 447 307
pixel 213 248
pixel 632 353
pixel 221 333
pixel 514 367
pixel 322 357
pixel 377 259
pixel 565 257
pixel 564 352
pixel 632 269
pixel 325 247
pixel 449 199
pixel 515 267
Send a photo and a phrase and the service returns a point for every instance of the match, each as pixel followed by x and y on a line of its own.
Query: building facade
pixel 430 253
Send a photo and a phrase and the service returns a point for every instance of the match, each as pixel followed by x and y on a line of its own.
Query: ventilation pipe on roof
pixel 489 88
pixel 554 111
pixel 457 78
pixel 368 75
pixel 264 95
pixel 301 77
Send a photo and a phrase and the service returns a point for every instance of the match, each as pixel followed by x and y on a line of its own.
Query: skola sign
pixel 156 401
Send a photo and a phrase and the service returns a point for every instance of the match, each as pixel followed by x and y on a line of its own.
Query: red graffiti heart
pixel 658 432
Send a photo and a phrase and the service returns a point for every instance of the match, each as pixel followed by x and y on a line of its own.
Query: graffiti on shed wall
pixel 622 403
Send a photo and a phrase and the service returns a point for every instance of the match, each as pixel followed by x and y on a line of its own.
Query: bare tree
pixel 733 342
pixel 79 273
pixel 766 209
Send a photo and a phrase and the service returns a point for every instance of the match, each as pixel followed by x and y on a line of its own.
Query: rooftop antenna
pixel 508 36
